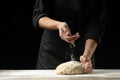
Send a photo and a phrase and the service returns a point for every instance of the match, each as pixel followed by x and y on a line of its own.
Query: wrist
pixel 61 24
pixel 87 53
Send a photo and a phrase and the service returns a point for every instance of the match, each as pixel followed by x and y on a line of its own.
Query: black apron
pixel 54 51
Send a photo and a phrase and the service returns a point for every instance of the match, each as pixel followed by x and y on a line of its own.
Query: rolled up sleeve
pixel 96 27
pixel 38 12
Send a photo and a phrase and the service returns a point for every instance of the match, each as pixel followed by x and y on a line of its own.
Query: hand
pixel 65 33
pixel 87 64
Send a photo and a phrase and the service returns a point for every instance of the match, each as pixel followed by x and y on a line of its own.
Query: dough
pixel 70 68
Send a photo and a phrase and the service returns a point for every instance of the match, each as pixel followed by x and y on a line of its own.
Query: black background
pixel 19 40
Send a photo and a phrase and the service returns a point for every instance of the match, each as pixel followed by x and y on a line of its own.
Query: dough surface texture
pixel 70 68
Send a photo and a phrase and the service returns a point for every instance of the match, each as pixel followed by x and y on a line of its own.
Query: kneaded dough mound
pixel 70 68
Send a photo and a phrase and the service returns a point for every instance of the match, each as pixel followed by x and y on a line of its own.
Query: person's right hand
pixel 87 64
pixel 65 33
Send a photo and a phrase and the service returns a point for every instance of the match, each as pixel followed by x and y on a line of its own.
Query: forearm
pixel 90 47
pixel 48 23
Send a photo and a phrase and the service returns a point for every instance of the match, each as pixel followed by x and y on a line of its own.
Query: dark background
pixel 20 41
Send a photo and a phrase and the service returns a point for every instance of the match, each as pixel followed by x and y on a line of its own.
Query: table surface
pixel 99 74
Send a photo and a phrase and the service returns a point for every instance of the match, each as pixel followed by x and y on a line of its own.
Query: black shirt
pixel 84 16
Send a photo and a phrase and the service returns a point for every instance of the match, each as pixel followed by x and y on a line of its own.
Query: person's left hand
pixel 87 64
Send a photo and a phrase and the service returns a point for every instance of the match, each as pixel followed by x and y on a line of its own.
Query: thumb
pixel 82 59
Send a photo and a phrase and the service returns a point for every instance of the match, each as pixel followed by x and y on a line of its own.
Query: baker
pixel 67 21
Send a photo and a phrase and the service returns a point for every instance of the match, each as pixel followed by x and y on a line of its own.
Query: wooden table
pixel 97 74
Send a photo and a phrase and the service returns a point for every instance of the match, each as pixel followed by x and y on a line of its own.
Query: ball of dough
pixel 70 68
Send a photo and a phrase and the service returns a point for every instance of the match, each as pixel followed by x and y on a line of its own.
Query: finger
pixel 88 68
pixel 72 38
pixel 88 65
